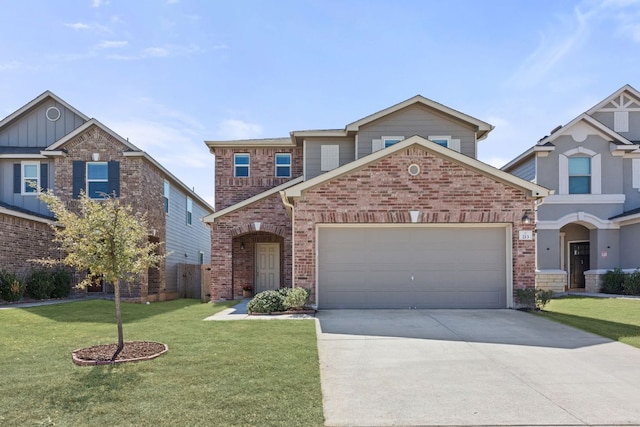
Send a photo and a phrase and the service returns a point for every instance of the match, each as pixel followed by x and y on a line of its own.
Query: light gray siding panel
pixel 312 153
pixel 7 195
pixel 184 239
pixel 629 240
pixel 35 130
pixel 552 212
pixel 548 255
pixel 548 167
pixel 606 118
pixel 526 170
pixel 405 267
pixel 632 199
pixel 417 120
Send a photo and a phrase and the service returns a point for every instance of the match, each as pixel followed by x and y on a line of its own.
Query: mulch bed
pixel 133 351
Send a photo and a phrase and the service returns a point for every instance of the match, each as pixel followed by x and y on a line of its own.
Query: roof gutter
pixel 290 208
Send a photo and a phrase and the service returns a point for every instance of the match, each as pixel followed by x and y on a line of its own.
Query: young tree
pixel 105 238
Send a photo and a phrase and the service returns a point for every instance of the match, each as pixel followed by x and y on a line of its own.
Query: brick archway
pixel 253 227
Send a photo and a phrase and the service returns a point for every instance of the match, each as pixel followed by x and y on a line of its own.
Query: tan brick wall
pixel 556 281
pixel 231 190
pixel 384 192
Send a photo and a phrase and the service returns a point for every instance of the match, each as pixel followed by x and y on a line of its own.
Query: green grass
pixel 617 319
pixel 234 373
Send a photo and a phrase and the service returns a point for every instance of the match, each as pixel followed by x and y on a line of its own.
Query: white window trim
pixel 23 178
pixel 563 170
pixel 166 187
pixel 329 157
pixel 189 210
pixel 275 161
pixel 87 180
pixel 201 258
pixel 391 138
pixel 635 172
pixel 248 165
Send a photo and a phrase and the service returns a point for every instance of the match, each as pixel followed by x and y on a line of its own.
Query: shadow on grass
pixel 92 386
pixel 605 328
pixel 103 311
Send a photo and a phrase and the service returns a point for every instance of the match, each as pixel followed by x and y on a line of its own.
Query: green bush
pixel 11 288
pixel 296 299
pixel 62 279
pixel 267 302
pixel 631 283
pixel 613 282
pixel 533 299
pixel 39 285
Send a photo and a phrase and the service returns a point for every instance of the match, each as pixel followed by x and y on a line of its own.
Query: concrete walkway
pixel 239 312
pixel 471 367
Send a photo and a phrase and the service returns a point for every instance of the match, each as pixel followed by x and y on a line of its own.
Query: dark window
pixel 579 175
pixel 241 165
pixel 283 165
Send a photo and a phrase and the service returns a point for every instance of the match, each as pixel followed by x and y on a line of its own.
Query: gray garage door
pixel 406 267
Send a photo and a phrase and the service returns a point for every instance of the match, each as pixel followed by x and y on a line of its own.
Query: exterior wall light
pixel 526 220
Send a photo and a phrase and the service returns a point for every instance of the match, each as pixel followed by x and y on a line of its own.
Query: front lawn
pixel 617 319
pixel 245 373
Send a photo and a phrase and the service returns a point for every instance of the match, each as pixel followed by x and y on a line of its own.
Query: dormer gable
pixel 620 112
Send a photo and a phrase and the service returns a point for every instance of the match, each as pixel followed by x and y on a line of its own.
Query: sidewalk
pixel 39 303
pixel 239 312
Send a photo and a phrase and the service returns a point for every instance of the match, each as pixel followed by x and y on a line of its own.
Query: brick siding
pixel 231 190
pixel 384 192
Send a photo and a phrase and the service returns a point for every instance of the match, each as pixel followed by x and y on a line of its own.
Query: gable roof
pixel 483 127
pixel 533 190
pixel 252 200
pixel 80 129
pixel 590 121
pixel 36 101
pixel 626 88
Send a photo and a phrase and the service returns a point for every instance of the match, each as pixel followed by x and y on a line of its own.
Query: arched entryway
pixel 576 254
pixel 258 262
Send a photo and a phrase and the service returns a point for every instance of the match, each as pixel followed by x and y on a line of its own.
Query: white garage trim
pixel 508 236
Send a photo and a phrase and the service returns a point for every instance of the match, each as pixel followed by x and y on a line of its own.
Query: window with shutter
pixel 329 157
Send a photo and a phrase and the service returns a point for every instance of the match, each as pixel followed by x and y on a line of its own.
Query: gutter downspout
pixel 289 207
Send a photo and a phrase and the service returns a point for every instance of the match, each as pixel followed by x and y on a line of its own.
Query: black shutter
pixel 44 176
pixel 78 177
pixel 17 178
pixel 114 178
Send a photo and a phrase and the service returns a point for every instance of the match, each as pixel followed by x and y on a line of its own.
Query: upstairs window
pixel 97 180
pixel 30 178
pixel 165 199
pixel 189 211
pixel 241 165
pixel 441 140
pixel 283 165
pixel 388 141
pixel 579 175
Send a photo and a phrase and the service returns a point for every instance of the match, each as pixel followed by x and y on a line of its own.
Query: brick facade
pixel 24 240
pixel 233 267
pixel 383 192
pixel 231 190
pixel 141 186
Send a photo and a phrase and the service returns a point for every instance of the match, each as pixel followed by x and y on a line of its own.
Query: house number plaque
pixel 526 235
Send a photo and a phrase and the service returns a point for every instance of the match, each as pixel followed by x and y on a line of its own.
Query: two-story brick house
pixel 592 222
pixel 48 144
pixel 391 211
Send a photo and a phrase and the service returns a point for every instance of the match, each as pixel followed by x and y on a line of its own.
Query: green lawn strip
pixel 614 318
pixel 245 373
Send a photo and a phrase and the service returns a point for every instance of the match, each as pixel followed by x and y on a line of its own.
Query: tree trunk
pixel 116 297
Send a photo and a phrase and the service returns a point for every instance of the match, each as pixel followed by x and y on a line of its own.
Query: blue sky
pixel 170 74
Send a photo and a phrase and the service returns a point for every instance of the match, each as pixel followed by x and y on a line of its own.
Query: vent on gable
pixel 556 129
pixel 53 114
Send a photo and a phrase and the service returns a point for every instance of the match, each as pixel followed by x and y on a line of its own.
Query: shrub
pixel 11 288
pixel 533 299
pixel 296 299
pixel 631 283
pixel 266 302
pixel 612 282
pixel 62 278
pixel 39 285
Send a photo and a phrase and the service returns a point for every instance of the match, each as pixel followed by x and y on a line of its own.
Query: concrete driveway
pixel 471 367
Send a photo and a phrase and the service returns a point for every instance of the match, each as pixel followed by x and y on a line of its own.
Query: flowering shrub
pixel 266 302
pixel 296 299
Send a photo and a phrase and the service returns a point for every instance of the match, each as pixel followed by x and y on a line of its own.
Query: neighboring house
pixel 52 145
pixel 592 222
pixel 392 211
